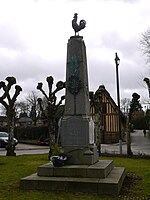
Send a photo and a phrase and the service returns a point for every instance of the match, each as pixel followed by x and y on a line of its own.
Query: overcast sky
pixel 34 36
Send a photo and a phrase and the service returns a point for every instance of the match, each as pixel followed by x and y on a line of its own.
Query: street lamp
pixel 117 62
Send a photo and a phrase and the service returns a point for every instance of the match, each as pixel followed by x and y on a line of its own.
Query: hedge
pixel 29 133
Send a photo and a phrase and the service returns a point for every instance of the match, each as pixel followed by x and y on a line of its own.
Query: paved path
pixel 139 145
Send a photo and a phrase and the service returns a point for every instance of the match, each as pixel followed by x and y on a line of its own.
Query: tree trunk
pixel 51 130
pixel 11 146
pixel 129 151
pixel 97 133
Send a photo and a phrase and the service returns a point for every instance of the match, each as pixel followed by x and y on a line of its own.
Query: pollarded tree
pixel 51 108
pixel 96 103
pixel 134 106
pixel 8 102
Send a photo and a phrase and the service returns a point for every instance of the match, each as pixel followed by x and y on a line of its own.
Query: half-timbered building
pixel 104 113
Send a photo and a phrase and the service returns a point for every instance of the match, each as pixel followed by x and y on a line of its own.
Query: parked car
pixel 4 139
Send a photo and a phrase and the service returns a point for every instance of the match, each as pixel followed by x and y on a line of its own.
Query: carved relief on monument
pixel 74 83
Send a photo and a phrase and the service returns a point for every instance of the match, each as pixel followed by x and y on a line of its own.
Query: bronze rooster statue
pixel 78 27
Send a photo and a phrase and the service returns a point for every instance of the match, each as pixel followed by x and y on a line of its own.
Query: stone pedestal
pixel 100 178
pixel 75 130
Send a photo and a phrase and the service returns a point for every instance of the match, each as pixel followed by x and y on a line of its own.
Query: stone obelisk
pixel 76 133
pixel 84 172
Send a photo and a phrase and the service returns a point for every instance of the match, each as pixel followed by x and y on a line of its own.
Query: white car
pixel 4 139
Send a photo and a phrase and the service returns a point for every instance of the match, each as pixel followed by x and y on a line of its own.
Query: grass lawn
pixel 12 169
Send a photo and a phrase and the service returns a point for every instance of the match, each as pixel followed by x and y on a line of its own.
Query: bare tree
pixel 21 107
pixel 28 106
pixel 145 44
pixel 32 105
pixel 9 103
pixel 125 105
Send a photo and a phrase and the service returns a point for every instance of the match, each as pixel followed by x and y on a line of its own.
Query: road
pixel 139 145
pixel 22 149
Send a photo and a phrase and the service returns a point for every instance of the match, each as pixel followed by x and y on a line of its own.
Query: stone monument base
pixel 75 139
pixel 81 156
pixel 100 178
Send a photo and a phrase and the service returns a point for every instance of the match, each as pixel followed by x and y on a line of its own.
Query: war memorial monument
pixel 83 171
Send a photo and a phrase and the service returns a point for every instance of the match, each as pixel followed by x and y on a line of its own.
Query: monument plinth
pixel 76 133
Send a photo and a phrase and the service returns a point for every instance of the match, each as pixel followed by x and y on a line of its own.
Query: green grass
pixel 12 169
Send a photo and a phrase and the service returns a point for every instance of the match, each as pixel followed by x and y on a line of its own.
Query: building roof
pixel 25 119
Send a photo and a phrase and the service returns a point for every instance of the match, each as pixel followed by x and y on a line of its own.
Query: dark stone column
pixel 75 129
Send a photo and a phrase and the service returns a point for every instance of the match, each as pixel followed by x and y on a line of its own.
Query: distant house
pixel 106 119
pixel 24 120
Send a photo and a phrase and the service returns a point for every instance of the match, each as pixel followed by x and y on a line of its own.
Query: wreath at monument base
pixel 58 161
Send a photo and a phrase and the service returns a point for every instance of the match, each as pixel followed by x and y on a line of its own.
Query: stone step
pixel 98 170
pixel 110 185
